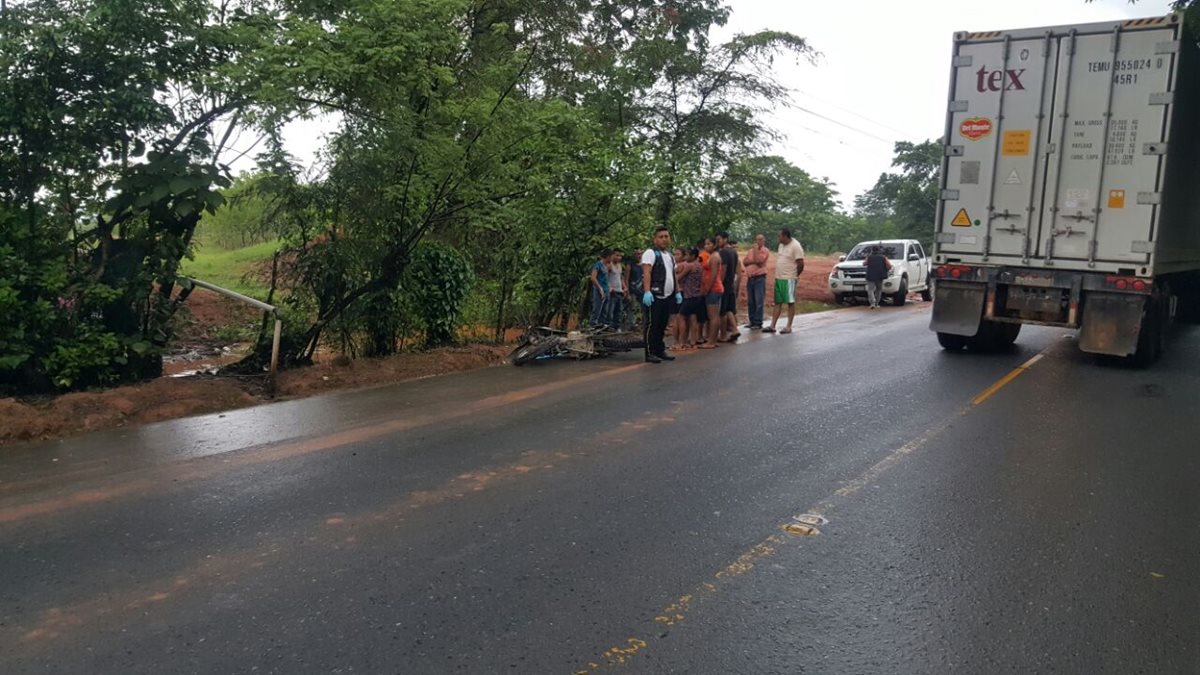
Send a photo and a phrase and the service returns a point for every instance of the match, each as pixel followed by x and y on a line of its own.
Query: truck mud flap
pixel 957 308
pixel 1111 323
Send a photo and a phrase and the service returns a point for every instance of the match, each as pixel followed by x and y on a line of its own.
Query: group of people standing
pixel 612 282
pixel 694 290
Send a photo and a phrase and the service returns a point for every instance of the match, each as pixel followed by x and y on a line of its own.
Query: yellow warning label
pixel 962 219
pixel 1016 143
pixel 1116 199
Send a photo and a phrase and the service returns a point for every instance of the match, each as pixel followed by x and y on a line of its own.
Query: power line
pixel 913 137
pixel 840 123
pixel 848 144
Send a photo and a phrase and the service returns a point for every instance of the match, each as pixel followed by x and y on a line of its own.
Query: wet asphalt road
pixel 573 517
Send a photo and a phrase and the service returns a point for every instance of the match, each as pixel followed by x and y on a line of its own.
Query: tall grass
pixel 241 270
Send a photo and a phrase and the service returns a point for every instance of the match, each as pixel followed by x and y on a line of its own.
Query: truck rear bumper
pixel 1107 308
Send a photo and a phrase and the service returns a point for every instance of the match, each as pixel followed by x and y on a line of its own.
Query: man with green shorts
pixel 789 263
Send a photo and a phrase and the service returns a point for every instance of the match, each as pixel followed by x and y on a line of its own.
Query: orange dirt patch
pixel 341 373
pixel 138 404
pixel 210 311
pixel 172 398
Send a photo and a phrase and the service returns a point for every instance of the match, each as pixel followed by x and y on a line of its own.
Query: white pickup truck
pixel 911 272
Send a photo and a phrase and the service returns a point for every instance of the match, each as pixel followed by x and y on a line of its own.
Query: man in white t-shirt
pixel 789 264
pixel 658 280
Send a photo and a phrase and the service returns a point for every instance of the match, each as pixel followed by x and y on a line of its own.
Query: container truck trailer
pixel 1070 191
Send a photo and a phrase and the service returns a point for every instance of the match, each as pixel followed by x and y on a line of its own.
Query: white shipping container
pixel 1073 148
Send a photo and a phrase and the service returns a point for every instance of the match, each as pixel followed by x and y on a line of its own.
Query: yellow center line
pixel 676 613
pixel 1006 380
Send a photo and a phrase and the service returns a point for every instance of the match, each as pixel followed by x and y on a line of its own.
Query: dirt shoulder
pixel 171 398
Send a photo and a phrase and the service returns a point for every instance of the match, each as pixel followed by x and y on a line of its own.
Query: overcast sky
pixel 884 70
pixel 882 76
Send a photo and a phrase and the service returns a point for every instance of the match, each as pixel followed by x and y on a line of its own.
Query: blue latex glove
pixel 648 299
pixel 679 298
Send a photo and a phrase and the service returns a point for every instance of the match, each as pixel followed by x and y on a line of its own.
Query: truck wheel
pixel 951 342
pixel 927 294
pixel 984 340
pixel 1165 320
pixel 1006 335
pixel 1187 288
pixel 1149 337
pixel 901 296
pixel 994 337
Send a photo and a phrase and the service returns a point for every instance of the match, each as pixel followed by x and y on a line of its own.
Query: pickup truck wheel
pixel 901 296
pixel 951 343
pixel 927 294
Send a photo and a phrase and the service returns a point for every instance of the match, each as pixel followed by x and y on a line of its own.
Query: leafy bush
pixel 437 281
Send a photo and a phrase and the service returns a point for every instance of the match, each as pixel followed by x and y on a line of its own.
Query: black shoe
pixel 665 357
pixel 652 359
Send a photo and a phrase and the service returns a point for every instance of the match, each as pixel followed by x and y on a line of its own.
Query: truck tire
pixel 927 294
pixel 1006 335
pixel 901 296
pixel 994 337
pixel 1187 289
pixel 1152 337
pixel 951 342
pixel 1147 347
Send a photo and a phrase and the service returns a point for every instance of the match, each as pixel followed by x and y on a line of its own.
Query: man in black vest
pixel 658 274
pixel 878 266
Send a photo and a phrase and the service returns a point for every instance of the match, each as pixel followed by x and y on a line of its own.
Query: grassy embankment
pixel 236 270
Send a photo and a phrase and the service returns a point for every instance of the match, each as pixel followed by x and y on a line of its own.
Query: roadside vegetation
pixel 480 154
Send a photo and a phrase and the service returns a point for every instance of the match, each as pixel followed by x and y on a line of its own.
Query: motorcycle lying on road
pixel 548 343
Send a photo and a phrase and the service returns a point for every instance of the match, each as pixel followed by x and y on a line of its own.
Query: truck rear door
pixel 1056 140
pixel 1002 86
pixel 1109 131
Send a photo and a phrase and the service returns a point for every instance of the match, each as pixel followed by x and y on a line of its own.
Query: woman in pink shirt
pixel 755 263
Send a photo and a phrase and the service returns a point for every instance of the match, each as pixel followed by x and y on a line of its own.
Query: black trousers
pixel 655 325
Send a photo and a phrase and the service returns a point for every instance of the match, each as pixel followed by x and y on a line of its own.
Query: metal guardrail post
pixel 275 352
pixel 275 312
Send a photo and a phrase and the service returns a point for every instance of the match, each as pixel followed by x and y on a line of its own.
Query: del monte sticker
pixel 975 128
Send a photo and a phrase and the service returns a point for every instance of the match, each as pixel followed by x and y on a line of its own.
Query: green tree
pixel 249 214
pixel 435 128
pixel 112 118
pixel 907 199
pixel 767 193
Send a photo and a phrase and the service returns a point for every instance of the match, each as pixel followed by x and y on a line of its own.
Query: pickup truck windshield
pixel 892 251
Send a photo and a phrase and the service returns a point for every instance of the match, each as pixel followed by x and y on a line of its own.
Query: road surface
pixel 1026 512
